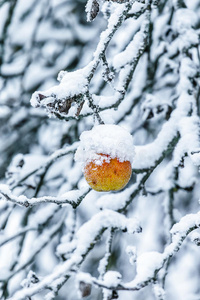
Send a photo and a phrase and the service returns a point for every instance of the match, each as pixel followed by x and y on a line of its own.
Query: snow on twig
pixel 73 198
pixel 50 160
pixel 146 156
pixel 84 240
pixel 150 263
pixel 103 264
pixel 73 87
pixel 14 236
pixel 39 244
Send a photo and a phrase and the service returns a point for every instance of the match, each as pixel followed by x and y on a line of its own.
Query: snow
pixel 131 51
pixel 84 238
pixel 184 19
pixel 152 103
pixel 132 253
pixel 34 76
pixel 104 101
pixel 42 215
pixel 159 291
pixel 71 84
pixel 146 156
pixel 92 8
pixel 74 194
pixel 115 201
pixel 30 280
pixel 188 39
pixel 88 232
pixel 188 129
pixel 195 156
pixel 35 163
pixel 3 14
pixel 83 284
pixel 4 188
pixel 85 277
pixel 4 111
pixel 112 278
pixel 74 197
pixel 147 264
pixel 111 140
pixel 18 117
pixel 16 67
pixel 186 222
pixel 195 237
pixel 103 264
pixel 104 219
pixel 22 165
pixel 51 50
pixel 183 283
pixel 187 70
pixel 119 13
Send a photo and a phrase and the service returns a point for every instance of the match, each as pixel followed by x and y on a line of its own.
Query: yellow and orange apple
pixel 111 175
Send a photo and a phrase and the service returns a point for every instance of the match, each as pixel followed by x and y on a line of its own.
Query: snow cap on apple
pixel 107 152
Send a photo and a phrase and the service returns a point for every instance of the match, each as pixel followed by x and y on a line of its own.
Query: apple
pixel 106 153
pixel 110 175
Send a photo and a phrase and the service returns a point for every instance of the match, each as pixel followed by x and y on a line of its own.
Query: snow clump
pixel 71 84
pixel 111 140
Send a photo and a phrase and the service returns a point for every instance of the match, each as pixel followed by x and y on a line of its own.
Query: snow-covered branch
pixel 84 240
pixel 48 162
pixel 74 86
pixel 73 198
pixel 150 263
pixel 44 239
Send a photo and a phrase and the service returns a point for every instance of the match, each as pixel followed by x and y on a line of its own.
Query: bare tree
pixel 131 63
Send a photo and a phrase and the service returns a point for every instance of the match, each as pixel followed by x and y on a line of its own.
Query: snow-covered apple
pixel 107 152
